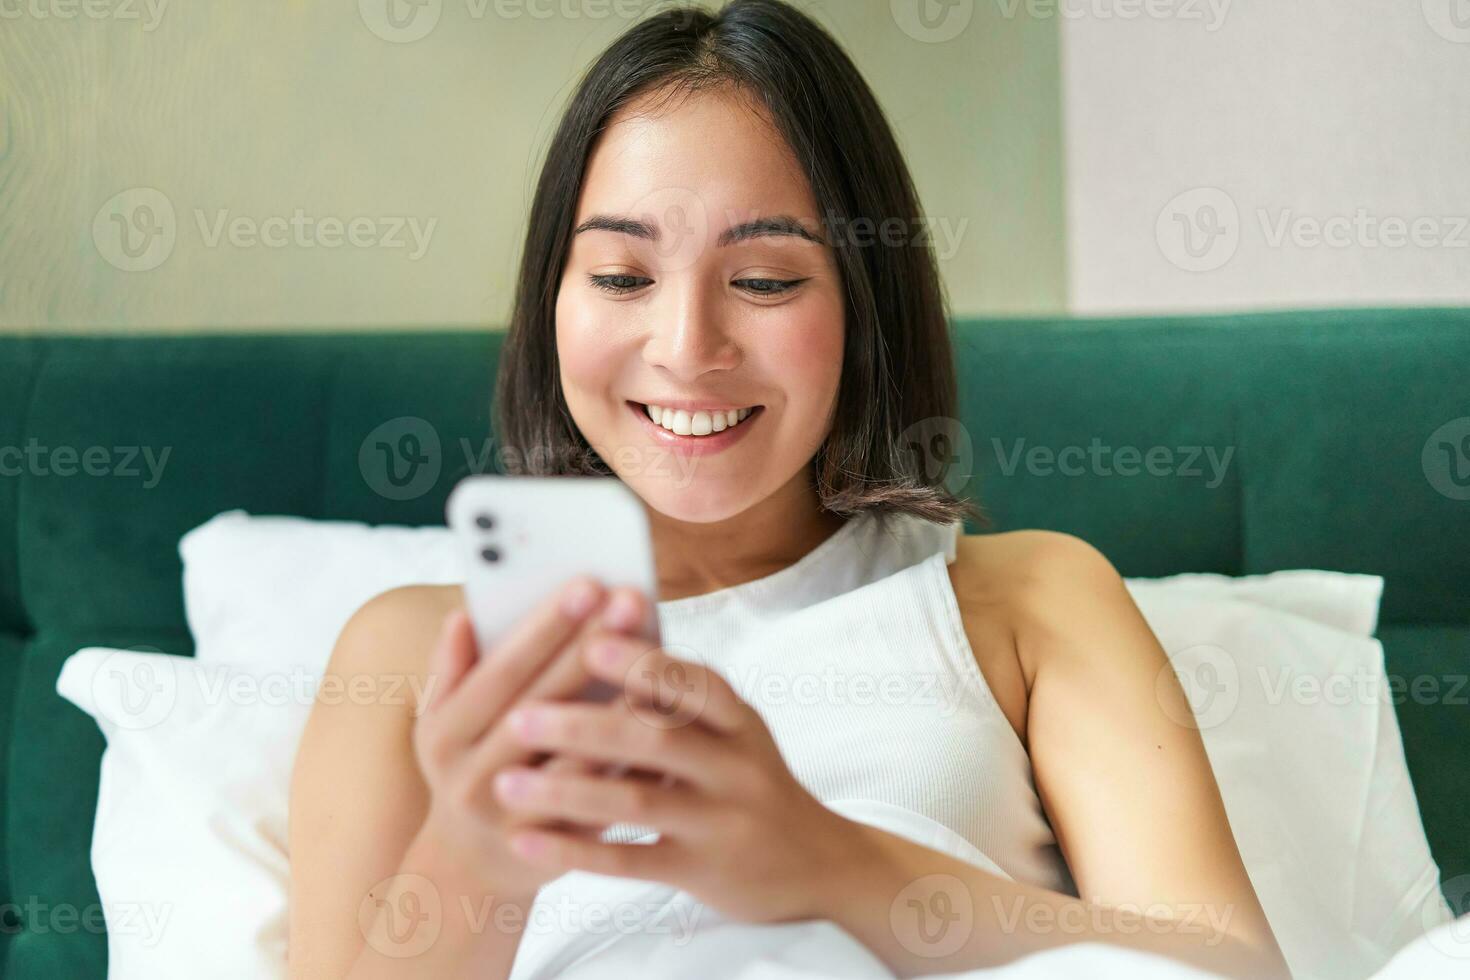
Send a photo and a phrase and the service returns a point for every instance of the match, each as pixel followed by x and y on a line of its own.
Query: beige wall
pixel 1240 155
pixel 176 120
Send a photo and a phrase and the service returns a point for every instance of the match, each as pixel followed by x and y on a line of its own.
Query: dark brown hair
pixel 897 387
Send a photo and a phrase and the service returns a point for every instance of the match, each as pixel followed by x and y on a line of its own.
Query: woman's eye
pixel 768 287
pixel 618 283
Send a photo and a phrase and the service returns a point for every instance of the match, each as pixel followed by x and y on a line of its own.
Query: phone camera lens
pixel 484 522
pixel 490 554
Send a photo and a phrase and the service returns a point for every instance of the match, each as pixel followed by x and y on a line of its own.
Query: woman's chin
pixel 692 501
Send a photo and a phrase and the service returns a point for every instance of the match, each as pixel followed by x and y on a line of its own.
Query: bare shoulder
pixel 1128 790
pixel 357 793
pixel 395 631
pixel 370 695
pixel 1022 590
pixel 1018 563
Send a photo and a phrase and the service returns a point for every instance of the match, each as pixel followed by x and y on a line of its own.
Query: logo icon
pixel 679 217
pixel 1210 680
pixel 136 692
pixel 400 21
pixel 401 916
pixel 1446 459
pixel 679 692
pixel 1450 19
pixel 400 459
pixel 932 21
pixel 135 230
pixel 1199 230
pixel 933 916
pixel 1453 938
pixel 940 452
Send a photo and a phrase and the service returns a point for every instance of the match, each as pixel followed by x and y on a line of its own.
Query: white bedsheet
pixel 586 926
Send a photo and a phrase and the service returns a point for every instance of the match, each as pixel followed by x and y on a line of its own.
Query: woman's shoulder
pixel 394 632
pixel 409 605
pixel 1019 563
pixel 1033 584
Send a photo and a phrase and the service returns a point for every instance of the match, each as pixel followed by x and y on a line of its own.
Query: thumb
pixel 454 653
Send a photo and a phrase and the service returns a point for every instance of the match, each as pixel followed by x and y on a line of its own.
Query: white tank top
pixel 856 658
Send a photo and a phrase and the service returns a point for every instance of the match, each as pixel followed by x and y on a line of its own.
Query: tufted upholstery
pixel 1327 415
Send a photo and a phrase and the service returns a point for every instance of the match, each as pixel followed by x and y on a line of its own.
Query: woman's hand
pixel 460 738
pixel 736 829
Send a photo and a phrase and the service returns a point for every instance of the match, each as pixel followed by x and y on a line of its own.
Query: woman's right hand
pixel 461 740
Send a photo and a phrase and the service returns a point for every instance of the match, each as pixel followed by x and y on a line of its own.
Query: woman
pixel 725 300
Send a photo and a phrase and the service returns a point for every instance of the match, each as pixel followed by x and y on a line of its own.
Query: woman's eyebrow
pixel 776 225
pixel 621 225
pixel 781 224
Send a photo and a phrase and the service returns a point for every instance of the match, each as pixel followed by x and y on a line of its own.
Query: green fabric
pixel 1325 414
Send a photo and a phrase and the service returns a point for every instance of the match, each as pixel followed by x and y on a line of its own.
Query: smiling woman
pixel 707 180
pixel 690 286
pixel 712 311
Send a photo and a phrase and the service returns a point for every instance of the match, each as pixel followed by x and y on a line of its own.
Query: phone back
pixel 523 537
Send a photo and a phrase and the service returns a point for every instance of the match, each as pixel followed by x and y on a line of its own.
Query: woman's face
pixel 698 283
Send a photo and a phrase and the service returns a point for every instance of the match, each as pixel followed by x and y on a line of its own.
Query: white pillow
pixel 1342 600
pixel 278 590
pixel 191 810
pixel 1318 793
pixel 1440 954
pixel 1302 736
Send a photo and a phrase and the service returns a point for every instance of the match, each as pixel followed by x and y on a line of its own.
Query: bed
pixel 1323 439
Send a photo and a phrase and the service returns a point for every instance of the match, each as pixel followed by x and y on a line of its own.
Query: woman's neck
pixel 693 558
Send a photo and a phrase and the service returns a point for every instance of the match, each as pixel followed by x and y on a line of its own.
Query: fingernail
pixel 608 652
pixel 579 598
pixel 512 785
pixel 525 722
pixel 622 612
pixel 527 845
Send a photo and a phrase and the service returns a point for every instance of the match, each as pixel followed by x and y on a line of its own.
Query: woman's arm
pixel 1129 793
pixel 399 853
pixel 358 803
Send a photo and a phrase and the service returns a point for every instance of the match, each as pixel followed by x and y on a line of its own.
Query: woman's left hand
pixel 736 829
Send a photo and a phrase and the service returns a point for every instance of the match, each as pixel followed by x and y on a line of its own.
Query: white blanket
pixel 586 926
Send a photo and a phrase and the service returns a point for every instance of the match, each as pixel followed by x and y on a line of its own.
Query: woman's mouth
pixel 696 431
pixel 697 423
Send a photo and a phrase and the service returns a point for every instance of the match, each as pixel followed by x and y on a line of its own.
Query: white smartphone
pixel 522 537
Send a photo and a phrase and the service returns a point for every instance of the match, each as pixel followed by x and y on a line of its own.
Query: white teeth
pixel 700 423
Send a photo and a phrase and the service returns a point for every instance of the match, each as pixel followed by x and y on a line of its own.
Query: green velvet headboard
pixel 1326 415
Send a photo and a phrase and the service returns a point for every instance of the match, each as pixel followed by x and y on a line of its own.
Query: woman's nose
pixel 690 338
